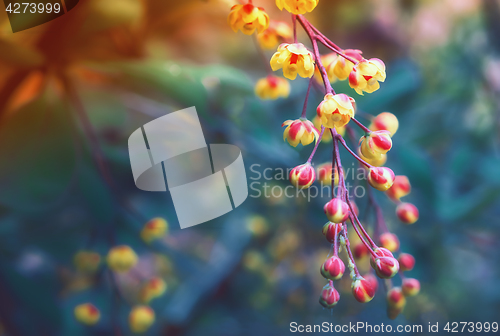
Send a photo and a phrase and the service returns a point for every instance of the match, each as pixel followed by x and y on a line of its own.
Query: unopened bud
pixel 141 318
pixel 360 250
pixel 410 286
pixel 87 314
pixel 337 210
pixel 400 188
pixel 329 231
pixel 406 262
pixel 375 144
pixel 121 258
pixel 302 176
pixel 385 121
pixel 389 241
pixel 333 268
pixel 395 298
pixel 407 213
pixel 329 296
pixel 381 178
pixel 384 264
pixel 362 290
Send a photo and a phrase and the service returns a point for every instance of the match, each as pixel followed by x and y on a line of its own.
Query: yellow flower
pixel 277 32
pixel 141 318
pixel 293 58
pixel 87 313
pixel 328 61
pixel 297 6
pixel 154 288
pixel 272 87
pixel 342 67
pixel 367 75
pixel 247 18
pixel 154 229
pixel 335 110
pixel 299 131
pixel 87 261
pixel 121 258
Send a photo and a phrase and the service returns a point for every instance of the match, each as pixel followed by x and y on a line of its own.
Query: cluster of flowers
pixel 333 114
pixel 122 259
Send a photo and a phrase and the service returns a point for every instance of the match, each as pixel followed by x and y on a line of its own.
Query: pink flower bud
pixel 411 287
pixel 385 265
pixel 385 121
pixel 302 176
pixel 333 268
pixel 360 250
pixel 299 131
pixel 395 298
pixel 372 279
pixel 375 144
pixel 400 188
pixel 362 290
pixel 389 241
pixel 381 178
pixel 406 262
pixel 329 296
pixel 329 231
pixel 337 210
pixel 407 213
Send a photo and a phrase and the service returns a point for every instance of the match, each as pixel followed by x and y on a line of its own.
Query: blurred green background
pixel 256 269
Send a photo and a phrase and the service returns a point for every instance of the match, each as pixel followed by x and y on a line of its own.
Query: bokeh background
pixel 255 270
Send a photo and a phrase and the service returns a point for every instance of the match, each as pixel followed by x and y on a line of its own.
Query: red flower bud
pixel 329 296
pixel 337 210
pixel 400 188
pixel 389 241
pixel 372 279
pixel 381 178
pixel 333 268
pixel 375 144
pixel 329 231
pixel 395 298
pixel 362 290
pixel 385 265
pixel 411 287
pixel 303 176
pixel 360 250
pixel 406 262
pixel 407 213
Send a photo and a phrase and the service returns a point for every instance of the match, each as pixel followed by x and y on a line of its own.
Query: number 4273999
pixel 27 7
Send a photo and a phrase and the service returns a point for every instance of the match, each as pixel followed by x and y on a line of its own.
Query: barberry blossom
pixel 331 230
pixel 325 174
pixel 87 313
pixel 395 298
pixel 153 288
pixel 400 188
pixel 406 262
pixel 272 87
pixel 337 210
pixel 302 176
pixel 335 110
pixel 342 67
pixel 299 131
pixel 366 75
pixel 329 296
pixel 333 268
pixel 410 286
pixel 375 144
pixel 141 318
pixel 293 59
pixel 384 263
pixel 248 18
pixel 389 241
pixel 297 6
pixel 277 32
pixel 407 213
pixel 385 121
pixel 156 228
pixel 121 258
pixel 381 178
pixel 362 290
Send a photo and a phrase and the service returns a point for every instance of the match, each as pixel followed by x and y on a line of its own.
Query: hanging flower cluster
pixel 122 259
pixel 334 116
